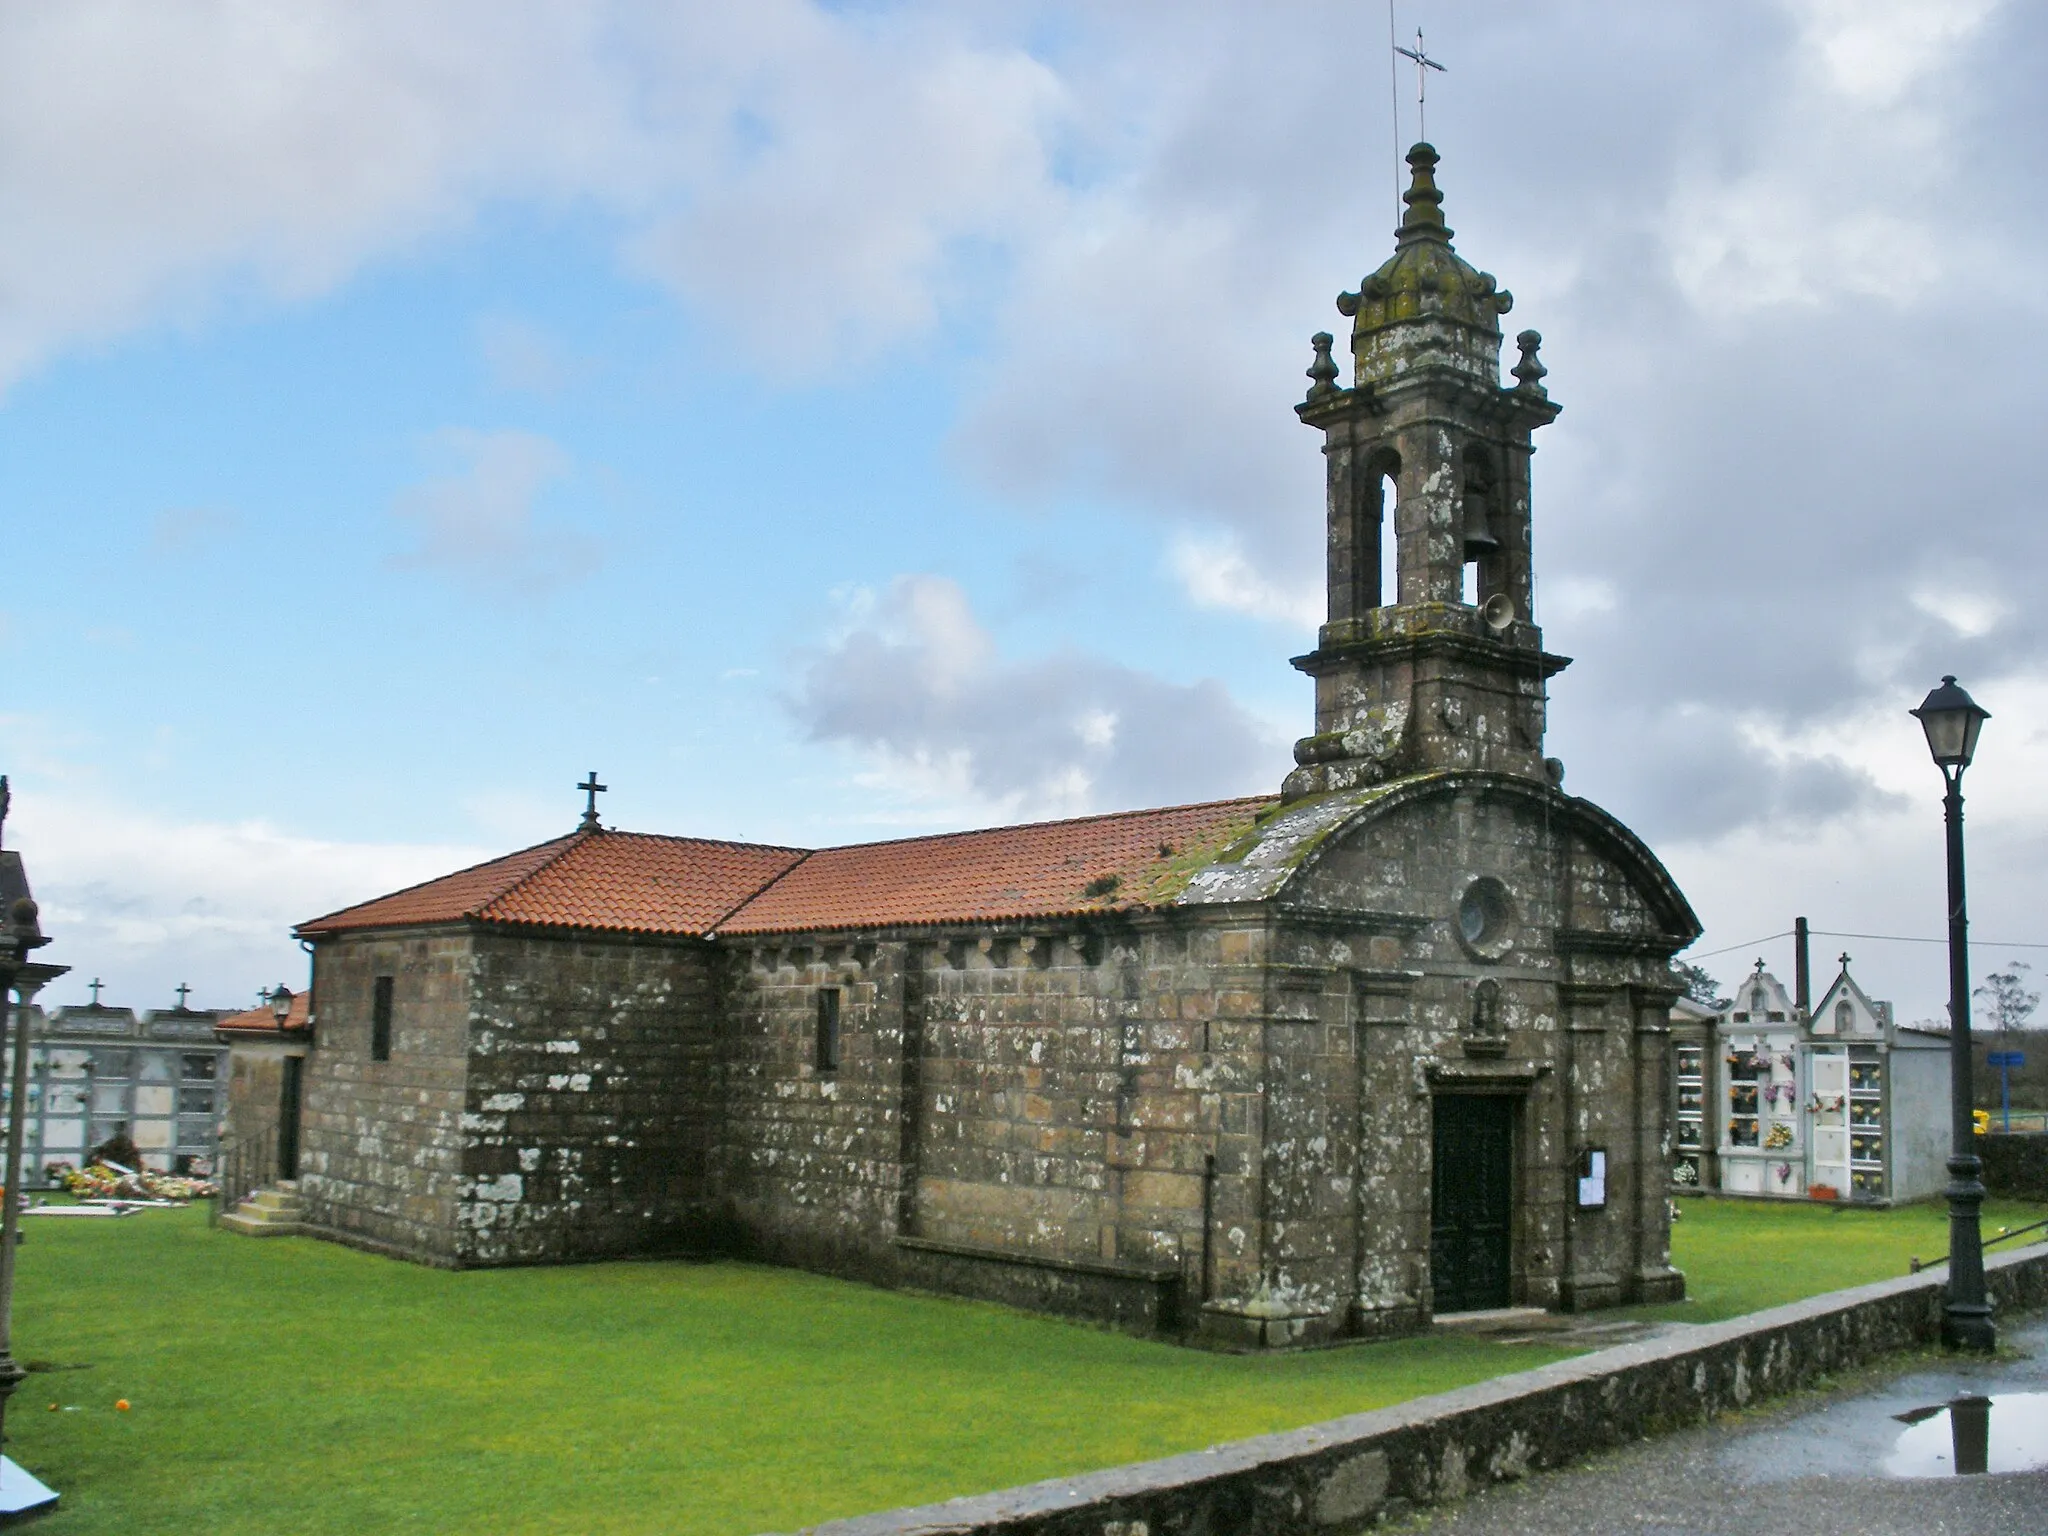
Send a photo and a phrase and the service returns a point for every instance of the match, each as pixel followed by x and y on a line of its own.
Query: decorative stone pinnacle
pixel 1529 372
pixel 1323 371
pixel 1425 220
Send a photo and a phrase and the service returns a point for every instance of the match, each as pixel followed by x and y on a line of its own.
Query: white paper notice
pixel 1593 1184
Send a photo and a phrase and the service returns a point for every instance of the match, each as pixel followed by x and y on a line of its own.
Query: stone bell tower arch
pixel 1428 450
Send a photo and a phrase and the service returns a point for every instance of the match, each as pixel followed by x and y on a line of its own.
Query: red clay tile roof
pixel 621 881
pixel 263 1020
pixel 636 883
pixel 1042 870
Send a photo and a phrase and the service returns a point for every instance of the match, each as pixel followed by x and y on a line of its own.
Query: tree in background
pixel 2007 1004
pixel 1699 986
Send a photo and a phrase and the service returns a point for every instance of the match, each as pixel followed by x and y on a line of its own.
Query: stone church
pixel 1386 1045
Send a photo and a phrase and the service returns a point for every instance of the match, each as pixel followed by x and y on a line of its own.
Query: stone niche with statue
pixel 1840 1103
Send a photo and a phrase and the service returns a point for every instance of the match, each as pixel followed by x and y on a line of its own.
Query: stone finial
pixel 1323 371
pixel 1529 373
pixel 1425 279
pixel 1425 204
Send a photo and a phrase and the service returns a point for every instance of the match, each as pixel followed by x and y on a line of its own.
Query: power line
pixel 1881 938
pixel 1752 944
pixel 1900 938
pixel 1394 101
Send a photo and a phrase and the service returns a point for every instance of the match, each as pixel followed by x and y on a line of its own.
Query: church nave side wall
pixel 1076 1098
pixel 592 1111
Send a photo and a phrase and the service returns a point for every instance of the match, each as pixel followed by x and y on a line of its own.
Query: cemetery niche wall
pixel 96 1069
pixel 1843 1103
pixel 1389 1044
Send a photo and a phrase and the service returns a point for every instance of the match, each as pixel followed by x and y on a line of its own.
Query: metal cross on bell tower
pixel 1423 65
pixel 591 790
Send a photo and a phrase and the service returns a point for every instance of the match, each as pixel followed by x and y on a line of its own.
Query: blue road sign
pixel 2004 1061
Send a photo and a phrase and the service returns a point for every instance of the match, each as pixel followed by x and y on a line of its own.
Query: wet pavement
pixel 1879 1460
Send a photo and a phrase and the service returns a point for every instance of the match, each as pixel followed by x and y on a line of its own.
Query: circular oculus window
pixel 1486 918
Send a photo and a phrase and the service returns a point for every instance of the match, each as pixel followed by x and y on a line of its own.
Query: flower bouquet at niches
pixel 105 1181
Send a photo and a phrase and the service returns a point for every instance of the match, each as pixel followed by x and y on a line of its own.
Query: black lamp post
pixel 281 1004
pixel 21 978
pixel 1952 719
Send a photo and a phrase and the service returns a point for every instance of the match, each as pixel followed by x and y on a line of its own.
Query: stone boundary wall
pixel 1341 1477
pixel 2015 1165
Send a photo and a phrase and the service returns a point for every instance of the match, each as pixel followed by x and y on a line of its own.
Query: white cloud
pixel 1780 306
pixel 917 685
pixel 1970 613
pixel 1216 573
pixel 146 902
pixel 479 525
pixel 519 355
pixel 1874 51
pixel 767 160
pixel 156 158
pixel 1569 599
pixel 851 157
pixel 1842 193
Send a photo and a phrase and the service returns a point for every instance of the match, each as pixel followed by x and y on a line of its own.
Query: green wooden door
pixel 1472 1203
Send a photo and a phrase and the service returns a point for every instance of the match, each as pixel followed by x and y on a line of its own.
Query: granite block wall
pixel 811 1164
pixel 1564 1019
pixel 382 1141
pixel 591 1116
pixel 1070 1095
pixel 255 1092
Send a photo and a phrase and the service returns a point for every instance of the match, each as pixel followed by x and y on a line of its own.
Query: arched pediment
pixel 1410 846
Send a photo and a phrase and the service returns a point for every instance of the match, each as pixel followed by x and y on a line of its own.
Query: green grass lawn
pixel 1742 1256
pixel 289 1385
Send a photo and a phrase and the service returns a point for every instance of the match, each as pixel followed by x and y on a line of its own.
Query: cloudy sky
pixel 838 421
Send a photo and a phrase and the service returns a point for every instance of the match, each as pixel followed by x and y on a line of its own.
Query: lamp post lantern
pixel 1952 719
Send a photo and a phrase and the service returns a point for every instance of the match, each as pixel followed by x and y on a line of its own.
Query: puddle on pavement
pixel 1970 1435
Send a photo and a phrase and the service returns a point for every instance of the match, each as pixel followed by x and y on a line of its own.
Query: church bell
pixel 1479 539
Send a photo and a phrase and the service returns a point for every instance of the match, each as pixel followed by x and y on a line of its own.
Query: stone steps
pixel 272 1212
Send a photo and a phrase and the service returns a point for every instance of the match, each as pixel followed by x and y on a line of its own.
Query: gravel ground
pixel 1808 1467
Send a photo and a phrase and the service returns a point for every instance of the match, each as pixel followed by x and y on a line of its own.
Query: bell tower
pixel 1430 658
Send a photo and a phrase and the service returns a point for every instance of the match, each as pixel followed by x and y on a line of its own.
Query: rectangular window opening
pixel 828 1029
pixel 380 1020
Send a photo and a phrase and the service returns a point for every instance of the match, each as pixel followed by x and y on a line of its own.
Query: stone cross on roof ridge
pixel 591 789
pixel 96 984
pixel 183 993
